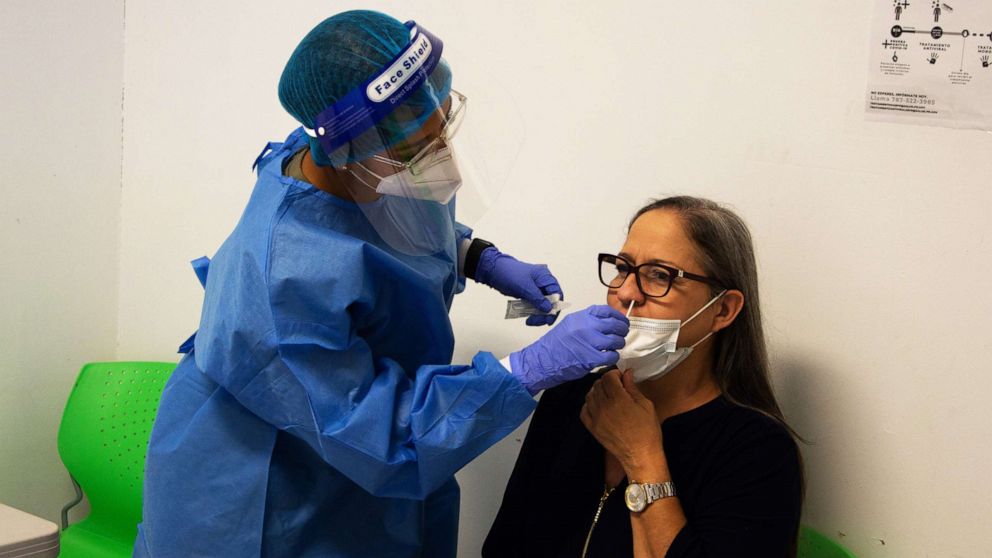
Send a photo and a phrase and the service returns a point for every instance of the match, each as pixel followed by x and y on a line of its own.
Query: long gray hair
pixel 726 253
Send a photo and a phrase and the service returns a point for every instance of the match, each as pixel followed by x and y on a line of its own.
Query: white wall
pixel 871 237
pixel 60 166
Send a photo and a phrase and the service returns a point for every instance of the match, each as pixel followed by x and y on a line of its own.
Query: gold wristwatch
pixel 639 495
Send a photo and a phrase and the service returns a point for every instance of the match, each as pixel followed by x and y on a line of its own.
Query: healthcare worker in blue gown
pixel 317 412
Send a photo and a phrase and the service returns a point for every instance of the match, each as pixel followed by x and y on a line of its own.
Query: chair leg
pixel 72 504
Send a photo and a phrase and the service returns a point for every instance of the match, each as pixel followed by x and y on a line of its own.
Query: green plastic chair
pixel 813 544
pixel 102 440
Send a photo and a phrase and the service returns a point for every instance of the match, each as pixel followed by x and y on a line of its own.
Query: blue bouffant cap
pixel 341 53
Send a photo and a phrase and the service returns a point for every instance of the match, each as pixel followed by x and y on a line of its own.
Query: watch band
pixel 657 491
pixel 474 253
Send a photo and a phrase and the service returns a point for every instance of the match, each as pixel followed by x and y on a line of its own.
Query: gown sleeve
pixel 395 434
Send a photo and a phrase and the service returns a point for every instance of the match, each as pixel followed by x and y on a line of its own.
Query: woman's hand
pixel 623 420
pixel 625 423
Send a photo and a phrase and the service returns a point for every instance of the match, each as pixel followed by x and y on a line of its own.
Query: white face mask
pixel 651 350
pixel 437 183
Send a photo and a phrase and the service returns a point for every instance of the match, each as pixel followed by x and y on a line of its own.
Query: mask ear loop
pixel 708 304
pixel 364 183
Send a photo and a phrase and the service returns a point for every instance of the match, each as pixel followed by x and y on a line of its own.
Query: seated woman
pixel 682 451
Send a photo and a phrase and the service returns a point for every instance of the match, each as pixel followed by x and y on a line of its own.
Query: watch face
pixel 635 497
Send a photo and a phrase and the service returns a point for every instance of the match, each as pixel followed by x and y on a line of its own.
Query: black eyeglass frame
pixel 673 272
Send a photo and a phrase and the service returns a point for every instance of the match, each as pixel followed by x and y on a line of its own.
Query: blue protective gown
pixel 318 414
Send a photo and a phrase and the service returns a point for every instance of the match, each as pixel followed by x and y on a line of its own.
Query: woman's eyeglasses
pixel 653 279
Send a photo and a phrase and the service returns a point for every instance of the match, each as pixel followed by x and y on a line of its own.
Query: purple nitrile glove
pixel 582 342
pixel 512 277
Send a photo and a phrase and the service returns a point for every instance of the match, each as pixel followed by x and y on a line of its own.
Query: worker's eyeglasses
pixel 653 279
pixel 433 152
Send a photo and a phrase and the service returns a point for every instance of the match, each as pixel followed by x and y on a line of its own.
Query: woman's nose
pixel 629 291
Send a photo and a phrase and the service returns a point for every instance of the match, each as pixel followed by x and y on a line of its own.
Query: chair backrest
pixel 104 435
pixel 813 544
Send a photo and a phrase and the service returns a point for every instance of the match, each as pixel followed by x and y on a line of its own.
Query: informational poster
pixel 931 63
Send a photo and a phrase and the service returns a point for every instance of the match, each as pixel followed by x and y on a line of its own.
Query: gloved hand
pixel 512 277
pixel 582 342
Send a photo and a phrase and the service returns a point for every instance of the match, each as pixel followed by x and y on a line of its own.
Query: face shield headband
pixel 364 106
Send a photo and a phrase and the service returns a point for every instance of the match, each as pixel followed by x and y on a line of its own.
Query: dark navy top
pixel 736 471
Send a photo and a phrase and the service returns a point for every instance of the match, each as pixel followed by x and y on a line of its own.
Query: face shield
pixel 393 144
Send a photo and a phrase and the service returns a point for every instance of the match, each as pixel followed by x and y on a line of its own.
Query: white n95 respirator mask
pixel 437 181
pixel 652 345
